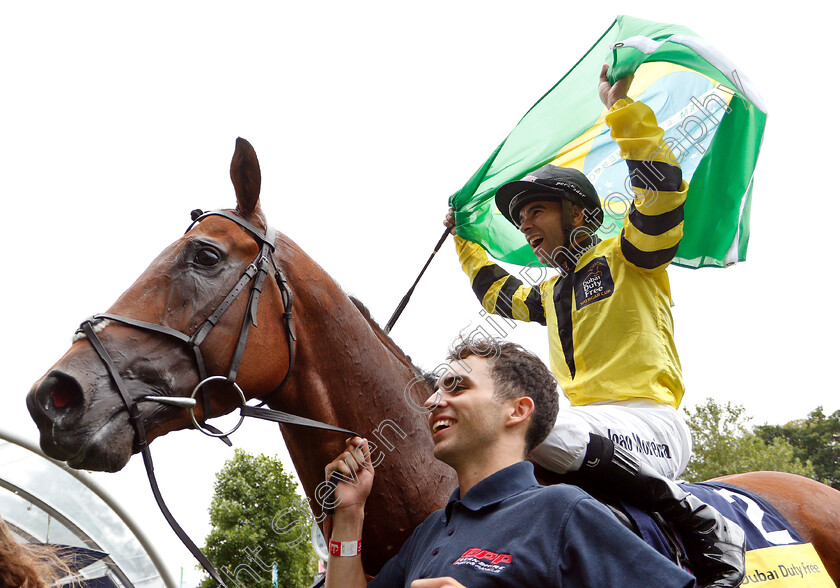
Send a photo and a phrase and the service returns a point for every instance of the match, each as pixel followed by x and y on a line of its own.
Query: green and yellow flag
pixel 713 120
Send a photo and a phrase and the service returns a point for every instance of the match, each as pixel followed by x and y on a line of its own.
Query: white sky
pixel 119 119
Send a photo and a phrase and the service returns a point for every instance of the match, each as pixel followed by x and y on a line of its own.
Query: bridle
pixel 257 272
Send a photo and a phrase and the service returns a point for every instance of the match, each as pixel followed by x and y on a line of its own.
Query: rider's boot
pixel 714 545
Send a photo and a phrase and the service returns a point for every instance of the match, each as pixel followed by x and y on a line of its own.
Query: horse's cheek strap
pixel 250 312
pixel 210 322
pixel 130 405
pixel 288 301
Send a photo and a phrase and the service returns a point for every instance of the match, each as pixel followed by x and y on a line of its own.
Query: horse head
pixel 78 409
pixel 182 332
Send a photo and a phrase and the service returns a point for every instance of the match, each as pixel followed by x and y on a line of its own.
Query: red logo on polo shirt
pixel 484 560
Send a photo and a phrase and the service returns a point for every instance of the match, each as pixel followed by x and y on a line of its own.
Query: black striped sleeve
pixel 653 227
pixel 486 277
pixel 503 301
pixel 646 259
pixel 654 175
pixel 533 302
pixel 656 224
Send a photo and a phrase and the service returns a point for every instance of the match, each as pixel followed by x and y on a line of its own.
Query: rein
pixel 255 272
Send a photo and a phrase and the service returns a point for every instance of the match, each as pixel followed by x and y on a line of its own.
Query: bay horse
pixel 317 354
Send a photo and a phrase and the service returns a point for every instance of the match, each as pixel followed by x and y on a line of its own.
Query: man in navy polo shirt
pixel 500 528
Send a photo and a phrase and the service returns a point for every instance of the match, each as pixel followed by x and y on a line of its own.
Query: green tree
pixel 258 520
pixel 724 444
pixel 815 438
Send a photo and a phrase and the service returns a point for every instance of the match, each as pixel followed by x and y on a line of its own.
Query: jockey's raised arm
pixel 607 308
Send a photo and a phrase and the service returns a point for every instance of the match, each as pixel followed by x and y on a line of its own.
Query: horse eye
pixel 206 256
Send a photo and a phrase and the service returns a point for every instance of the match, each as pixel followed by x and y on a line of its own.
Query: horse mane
pixel 385 338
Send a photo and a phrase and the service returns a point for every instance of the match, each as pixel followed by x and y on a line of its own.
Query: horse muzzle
pixel 56 400
pixel 72 430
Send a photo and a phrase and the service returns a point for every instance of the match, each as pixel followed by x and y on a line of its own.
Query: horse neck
pixel 346 371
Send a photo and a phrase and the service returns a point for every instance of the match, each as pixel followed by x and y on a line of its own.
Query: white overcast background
pixel 118 119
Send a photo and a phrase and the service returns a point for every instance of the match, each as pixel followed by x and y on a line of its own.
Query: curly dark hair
pixel 516 372
pixel 28 565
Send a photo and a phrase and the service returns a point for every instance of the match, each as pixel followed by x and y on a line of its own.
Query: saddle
pixel 650 527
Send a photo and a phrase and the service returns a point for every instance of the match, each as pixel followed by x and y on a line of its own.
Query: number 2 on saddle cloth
pixel 777 556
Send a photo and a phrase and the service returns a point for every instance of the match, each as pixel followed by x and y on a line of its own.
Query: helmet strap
pixel 568 220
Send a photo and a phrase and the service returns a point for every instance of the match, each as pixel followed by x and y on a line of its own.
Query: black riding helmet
pixel 553 183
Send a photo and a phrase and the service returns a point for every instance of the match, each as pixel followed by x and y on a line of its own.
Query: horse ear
pixel 246 178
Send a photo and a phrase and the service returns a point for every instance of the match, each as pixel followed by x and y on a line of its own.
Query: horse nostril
pixel 61 397
pixel 60 393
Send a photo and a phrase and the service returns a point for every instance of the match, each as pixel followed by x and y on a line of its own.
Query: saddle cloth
pixel 777 556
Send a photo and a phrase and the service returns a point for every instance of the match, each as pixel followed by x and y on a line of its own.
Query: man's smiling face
pixel 467 417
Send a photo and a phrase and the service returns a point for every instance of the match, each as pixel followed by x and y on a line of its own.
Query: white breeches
pixel 655 433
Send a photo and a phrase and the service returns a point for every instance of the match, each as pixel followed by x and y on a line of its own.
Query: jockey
pixel 611 331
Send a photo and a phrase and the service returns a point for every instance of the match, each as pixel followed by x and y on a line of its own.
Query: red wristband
pixel 345 548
